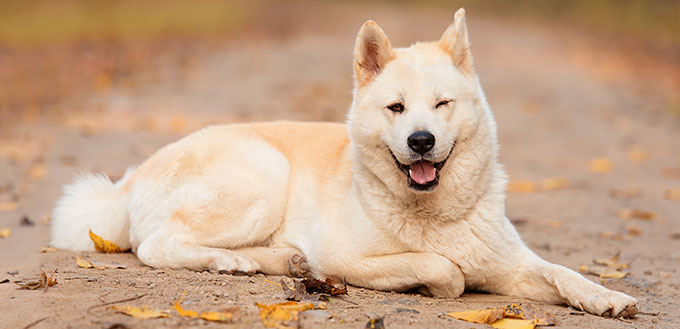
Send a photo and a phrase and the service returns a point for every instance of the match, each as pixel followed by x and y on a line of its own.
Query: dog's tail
pixel 91 202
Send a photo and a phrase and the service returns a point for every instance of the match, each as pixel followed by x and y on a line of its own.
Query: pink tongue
pixel 423 172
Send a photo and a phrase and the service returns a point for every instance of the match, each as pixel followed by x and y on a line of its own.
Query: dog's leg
pixel 160 250
pixel 537 279
pixel 278 261
pixel 436 275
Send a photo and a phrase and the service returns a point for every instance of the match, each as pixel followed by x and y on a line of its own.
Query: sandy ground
pixel 556 109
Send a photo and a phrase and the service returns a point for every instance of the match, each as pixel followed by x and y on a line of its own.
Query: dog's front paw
pixel 611 304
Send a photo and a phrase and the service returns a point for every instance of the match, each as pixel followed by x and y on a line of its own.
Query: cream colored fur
pixel 248 197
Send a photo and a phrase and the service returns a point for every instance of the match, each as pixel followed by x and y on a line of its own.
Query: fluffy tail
pixel 91 202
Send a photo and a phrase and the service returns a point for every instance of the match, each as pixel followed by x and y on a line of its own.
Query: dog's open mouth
pixel 422 175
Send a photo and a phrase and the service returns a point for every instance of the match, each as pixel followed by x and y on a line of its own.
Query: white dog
pixel 408 194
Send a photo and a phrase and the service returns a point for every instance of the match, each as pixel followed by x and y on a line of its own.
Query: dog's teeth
pixel 409 172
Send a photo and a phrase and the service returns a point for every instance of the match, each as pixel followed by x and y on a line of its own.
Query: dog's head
pixel 413 105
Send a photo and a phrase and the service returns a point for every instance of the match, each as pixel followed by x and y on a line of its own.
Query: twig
pixel 116 301
pixel 648 313
pixel 35 322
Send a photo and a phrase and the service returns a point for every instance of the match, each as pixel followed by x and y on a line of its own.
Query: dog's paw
pixel 235 264
pixel 298 266
pixel 611 304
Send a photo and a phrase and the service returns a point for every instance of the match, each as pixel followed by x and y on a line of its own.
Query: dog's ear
pixel 456 43
pixel 372 52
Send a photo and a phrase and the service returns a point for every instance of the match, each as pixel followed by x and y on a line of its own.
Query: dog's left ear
pixel 372 52
pixel 456 43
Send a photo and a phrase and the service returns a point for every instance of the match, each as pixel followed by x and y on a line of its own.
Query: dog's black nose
pixel 421 141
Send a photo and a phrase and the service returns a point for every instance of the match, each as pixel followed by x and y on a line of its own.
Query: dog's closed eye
pixel 443 103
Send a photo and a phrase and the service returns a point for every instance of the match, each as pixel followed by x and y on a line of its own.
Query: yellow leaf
pixel 613 262
pixel 216 316
pixel 5 233
pixel 514 324
pixel 522 187
pixel 278 314
pixel 636 214
pixel 488 315
pixel 613 274
pixel 600 165
pixel 140 313
pixel 8 206
pixel 555 183
pixel 102 245
pixel 185 313
pixel 672 194
pixel 638 155
pixel 83 263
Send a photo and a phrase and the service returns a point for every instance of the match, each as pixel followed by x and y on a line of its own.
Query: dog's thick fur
pixel 250 197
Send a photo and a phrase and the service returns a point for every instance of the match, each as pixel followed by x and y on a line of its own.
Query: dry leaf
pixel 43 282
pixel 613 274
pixel 378 323
pixel 46 250
pixel 600 165
pixel 228 314
pixel 625 193
pixel 636 214
pixel 488 316
pixel 83 263
pixel 613 262
pixel 5 233
pixel 555 183
pixel 539 316
pixel 297 293
pixel 514 324
pixel 672 194
pixel 280 314
pixel 522 187
pixel 638 155
pixel 102 265
pixel 102 245
pixel 324 287
pixel 8 206
pixel 140 313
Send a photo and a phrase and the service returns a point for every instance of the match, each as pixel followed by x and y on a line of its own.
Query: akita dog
pixel 407 195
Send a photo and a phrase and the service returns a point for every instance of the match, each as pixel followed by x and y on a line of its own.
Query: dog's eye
pixel 443 103
pixel 396 107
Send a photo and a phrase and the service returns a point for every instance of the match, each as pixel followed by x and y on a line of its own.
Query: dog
pixel 408 194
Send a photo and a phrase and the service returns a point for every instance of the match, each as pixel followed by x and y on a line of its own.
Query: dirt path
pixel 554 112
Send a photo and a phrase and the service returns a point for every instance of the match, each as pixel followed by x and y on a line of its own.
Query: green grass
pixel 43 21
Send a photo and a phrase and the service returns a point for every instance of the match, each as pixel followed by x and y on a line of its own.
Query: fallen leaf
pixel 513 324
pixel 140 313
pixel 600 165
pixel 46 250
pixel 83 263
pixel 488 316
pixel 227 314
pixel 102 245
pixel 324 287
pixel 43 282
pixel 625 193
pixel 216 316
pixel 8 206
pixel 638 155
pixel 672 194
pixel 102 265
pixel 539 316
pixel 613 274
pixel 522 187
pixel 636 214
pixel 5 233
pixel 378 323
pixel 613 262
pixel 297 293
pixel 555 183
pixel 281 314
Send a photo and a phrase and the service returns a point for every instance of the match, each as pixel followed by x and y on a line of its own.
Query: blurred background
pixel 586 94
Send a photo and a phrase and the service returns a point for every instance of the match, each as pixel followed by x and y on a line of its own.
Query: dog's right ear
pixel 372 52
